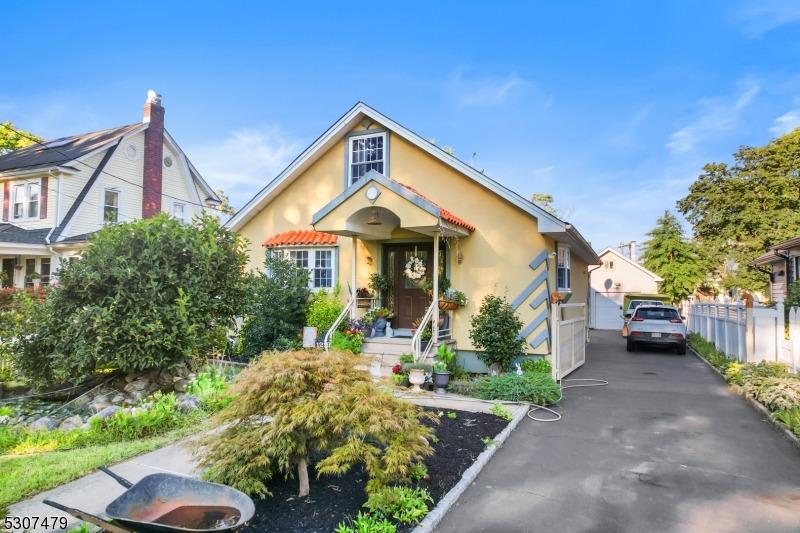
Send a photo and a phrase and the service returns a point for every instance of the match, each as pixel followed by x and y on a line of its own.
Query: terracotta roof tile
pixel 444 213
pixel 301 237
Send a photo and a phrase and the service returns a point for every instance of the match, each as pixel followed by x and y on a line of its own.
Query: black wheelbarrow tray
pixel 170 503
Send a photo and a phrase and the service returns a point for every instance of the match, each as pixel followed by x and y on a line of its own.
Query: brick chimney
pixel 153 155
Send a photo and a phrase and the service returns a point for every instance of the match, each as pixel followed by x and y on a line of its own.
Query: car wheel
pixel 629 346
pixel 680 350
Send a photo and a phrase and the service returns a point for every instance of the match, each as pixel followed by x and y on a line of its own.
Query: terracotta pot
pixel 416 378
pixel 448 305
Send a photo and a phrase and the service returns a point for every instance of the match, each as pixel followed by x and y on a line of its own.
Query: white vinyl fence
pixel 570 331
pixel 751 334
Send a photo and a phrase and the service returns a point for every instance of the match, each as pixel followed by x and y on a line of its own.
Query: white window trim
pixel 26 184
pixel 613 265
pixel 567 265
pixel 311 258
pixel 350 163
pixel 121 202
pixel 185 205
pixel 136 148
pixel 164 161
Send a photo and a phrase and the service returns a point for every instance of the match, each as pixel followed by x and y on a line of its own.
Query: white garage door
pixel 607 314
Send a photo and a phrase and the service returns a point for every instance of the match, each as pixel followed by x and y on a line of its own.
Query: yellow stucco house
pixel 369 194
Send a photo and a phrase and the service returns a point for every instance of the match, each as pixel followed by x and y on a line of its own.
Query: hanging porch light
pixel 374 220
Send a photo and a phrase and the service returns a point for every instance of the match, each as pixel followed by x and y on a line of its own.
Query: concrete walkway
pixel 666 447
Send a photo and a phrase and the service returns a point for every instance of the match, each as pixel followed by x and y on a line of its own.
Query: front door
pixel 8 269
pixel 406 297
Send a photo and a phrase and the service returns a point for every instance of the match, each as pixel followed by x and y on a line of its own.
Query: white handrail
pixel 416 340
pixel 346 311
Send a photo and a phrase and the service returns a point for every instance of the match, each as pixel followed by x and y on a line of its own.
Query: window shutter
pixel 43 199
pixel 6 199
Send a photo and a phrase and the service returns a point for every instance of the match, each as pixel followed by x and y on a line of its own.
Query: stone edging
pixel 433 518
pixel 757 405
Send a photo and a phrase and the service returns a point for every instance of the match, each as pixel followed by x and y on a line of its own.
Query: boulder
pixel 134 397
pixel 133 376
pixel 86 427
pixel 108 411
pixel 154 386
pixel 5 419
pixel 190 403
pixel 99 406
pixel 138 385
pixel 118 399
pixel 165 377
pixel 44 423
pixel 73 422
pixel 180 385
pixel 83 400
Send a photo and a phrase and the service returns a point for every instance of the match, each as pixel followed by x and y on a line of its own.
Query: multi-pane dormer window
pixel 367 152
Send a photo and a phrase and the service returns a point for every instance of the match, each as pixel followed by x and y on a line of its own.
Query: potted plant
pixel 363 297
pixel 416 374
pixel 378 317
pixel 452 299
pixel 441 377
pixel 380 284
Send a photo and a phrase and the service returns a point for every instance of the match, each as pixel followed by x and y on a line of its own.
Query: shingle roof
pixel 444 213
pixel 301 237
pixel 12 233
pixel 37 156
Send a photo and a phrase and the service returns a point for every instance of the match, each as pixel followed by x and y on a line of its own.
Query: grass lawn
pixel 23 476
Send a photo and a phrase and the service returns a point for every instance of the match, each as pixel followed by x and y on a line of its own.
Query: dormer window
pixel 367 152
pixel 25 199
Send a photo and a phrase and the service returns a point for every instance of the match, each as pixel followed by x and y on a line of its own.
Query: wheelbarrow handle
pixel 121 480
pixel 86 517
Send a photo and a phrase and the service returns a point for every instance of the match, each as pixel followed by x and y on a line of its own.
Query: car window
pixel 636 303
pixel 653 313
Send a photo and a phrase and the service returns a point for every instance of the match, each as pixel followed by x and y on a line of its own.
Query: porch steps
pixel 389 350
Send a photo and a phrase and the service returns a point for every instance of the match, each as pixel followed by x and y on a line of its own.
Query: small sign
pixel 309 337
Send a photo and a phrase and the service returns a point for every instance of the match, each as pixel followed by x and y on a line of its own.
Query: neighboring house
pixel 618 276
pixel 58 192
pixel 782 261
pixel 369 194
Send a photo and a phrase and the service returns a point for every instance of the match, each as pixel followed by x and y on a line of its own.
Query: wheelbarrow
pixel 170 503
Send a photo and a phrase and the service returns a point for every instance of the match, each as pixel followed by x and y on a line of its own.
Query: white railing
pixel 570 337
pixel 747 334
pixel 416 340
pixel 345 312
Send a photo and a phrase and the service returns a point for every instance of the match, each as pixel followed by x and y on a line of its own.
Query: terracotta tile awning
pixel 300 238
pixel 444 213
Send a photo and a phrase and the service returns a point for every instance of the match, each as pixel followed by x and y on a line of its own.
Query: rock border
pixel 433 518
pixel 755 404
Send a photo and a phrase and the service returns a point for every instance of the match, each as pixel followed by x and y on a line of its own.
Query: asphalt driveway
pixel 666 447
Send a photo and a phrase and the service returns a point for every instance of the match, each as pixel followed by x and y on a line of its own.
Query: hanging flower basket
pixel 448 305
pixel 415 268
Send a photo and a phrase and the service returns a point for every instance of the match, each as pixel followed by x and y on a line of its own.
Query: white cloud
pixel 245 161
pixel 786 123
pixel 718 115
pixel 486 92
pixel 757 17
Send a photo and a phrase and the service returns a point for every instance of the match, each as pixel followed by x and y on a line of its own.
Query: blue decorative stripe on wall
pixel 538 261
pixel 544 296
pixel 541 337
pixel 541 317
pixel 541 278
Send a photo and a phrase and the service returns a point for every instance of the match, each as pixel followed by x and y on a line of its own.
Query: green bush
pixel 501 411
pixel 496 330
pixel 347 341
pixel 790 418
pixel 277 305
pixel 149 293
pixel 364 523
pixel 325 308
pixel 211 388
pixel 404 504
pixel 532 387
pixel 536 365
pixel 19 310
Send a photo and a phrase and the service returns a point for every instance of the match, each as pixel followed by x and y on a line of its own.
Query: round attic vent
pixel 132 152
pixel 168 162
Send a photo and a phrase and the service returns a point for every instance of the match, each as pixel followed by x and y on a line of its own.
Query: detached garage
pixel 618 276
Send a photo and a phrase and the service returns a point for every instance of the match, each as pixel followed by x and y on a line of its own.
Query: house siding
pixel 176 185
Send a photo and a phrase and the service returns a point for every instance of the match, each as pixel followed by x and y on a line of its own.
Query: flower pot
pixel 423 345
pixel 380 327
pixel 364 303
pixel 416 378
pixel 448 305
pixel 440 381
pixel 405 382
pixel 367 331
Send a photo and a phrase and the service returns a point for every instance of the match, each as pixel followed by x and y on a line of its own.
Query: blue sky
pixel 611 107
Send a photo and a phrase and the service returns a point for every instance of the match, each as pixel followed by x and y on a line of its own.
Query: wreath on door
pixel 415 268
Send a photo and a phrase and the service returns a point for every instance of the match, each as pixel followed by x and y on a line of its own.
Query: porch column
pixel 435 303
pixel 353 308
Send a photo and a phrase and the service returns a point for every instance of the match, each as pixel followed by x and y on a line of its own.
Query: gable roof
pixel 610 250
pixel 443 213
pixel 547 223
pixel 12 233
pixel 63 151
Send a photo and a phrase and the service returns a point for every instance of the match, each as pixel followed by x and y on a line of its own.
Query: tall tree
pixel 545 201
pixel 225 206
pixel 11 140
pixel 738 211
pixel 670 255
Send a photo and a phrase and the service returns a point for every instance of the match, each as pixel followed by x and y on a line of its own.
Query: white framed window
pixel 608 264
pixel 111 202
pixel 25 199
pixel 320 262
pixel 562 269
pixel 366 152
pixel 179 210
pixel 44 270
pixel 131 151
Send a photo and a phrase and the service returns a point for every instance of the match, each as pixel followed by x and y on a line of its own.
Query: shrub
pixel 541 366
pixel 778 394
pixel 350 340
pixel 278 301
pixel 18 317
pixel 791 418
pixel 320 402
pixel 532 387
pixel 496 330
pixel 325 308
pixel 502 412
pixel 148 293
pixel 211 388
pixel 404 504
pixel 407 367
pixel 364 523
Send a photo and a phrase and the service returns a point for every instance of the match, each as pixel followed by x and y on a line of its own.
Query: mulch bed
pixel 332 500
